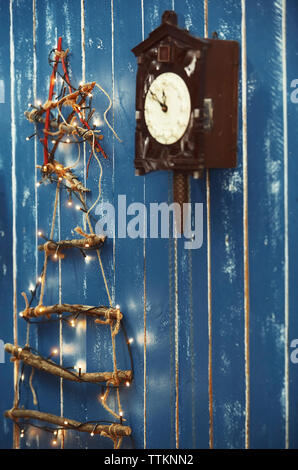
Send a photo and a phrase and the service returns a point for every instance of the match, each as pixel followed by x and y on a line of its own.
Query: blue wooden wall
pixel 212 327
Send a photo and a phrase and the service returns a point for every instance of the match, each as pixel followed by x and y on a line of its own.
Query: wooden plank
pixel 227 248
pixel 266 224
pixel 129 259
pixel 6 241
pixel 192 298
pixel 290 16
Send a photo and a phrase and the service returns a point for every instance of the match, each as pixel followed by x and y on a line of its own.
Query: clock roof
pixel 170 28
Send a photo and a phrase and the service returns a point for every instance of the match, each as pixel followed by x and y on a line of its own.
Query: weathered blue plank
pixel 226 219
pixel 292 74
pixel 6 277
pixel 129 257
pixel 192 297
pixel 266 224
pixel 159 305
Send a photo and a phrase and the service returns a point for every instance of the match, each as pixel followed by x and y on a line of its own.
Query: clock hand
pixel 163 105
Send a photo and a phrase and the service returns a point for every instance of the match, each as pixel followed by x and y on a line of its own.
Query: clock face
pixel 167 108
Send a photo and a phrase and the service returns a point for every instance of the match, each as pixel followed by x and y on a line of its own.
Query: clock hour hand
pixel 163 105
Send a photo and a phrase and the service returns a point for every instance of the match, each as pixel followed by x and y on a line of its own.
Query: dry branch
pixel 89 243
pixel 51 367
pixel 113 430
pixel 67 129
pixel 72 182
pixel 76 309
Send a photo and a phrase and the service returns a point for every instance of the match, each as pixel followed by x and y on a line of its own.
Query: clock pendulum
pixel 186 104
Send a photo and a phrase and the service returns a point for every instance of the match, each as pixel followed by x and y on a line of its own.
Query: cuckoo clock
pixel 186 101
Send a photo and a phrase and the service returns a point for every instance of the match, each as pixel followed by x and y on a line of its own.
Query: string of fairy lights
pixel 54 172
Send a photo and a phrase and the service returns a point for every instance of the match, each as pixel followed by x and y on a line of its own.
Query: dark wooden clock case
pixel 209 68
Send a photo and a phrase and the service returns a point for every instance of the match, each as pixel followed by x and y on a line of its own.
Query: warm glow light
pixel 38 102
pixel 81 83
pixel 69 203
pixel 96 123
pixel 130 340
pixel 87 259
pixel 121 413
pixel 118 307
pixel 39 233
pixel 27 138
pixel 66 423
pixel 92 434
pixel 21 314
pixel 22 377
pixel 20 349
pixel 54 442
pixel 55 256
pixel 53 141
pixel 67 141
pixel 127 383
pixel 72 323
pixel 55 351
pixel 38 184
pixel 87 245
pixel 31 287
pixel 78 207
pixel 90 95
pixel 39 279
pixel 58 167
pixel 60 178
pixel 45 168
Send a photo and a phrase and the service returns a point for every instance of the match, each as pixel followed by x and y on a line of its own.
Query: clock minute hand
pixel 163 105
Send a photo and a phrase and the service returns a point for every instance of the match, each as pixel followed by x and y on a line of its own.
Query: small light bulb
pixel 19 349
pixel 87 245
pixel 55 433
pixel 21 314
pixel 66 423
pixel 127 383
pixel 60 178
pixel 69 203
pixel 67 141
pixel 90 95
pixel 22 433
pixel 81 83
pixel 87 259
pixel 92 434
pixel 96 123
pixel 27 138
pixel 55 256
pixel 118 307
pixel 55 351
pixel 78 207
pixel 72 323
pixel 31 287
pixel 54 442
pixel 45 168
pixel 39 279
pixel 53 141
pixel 39 233
pixel 121 413
pixel 38 102
pixel 22 377
pixel 130 340
pixel 37 184
pixel 29 105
